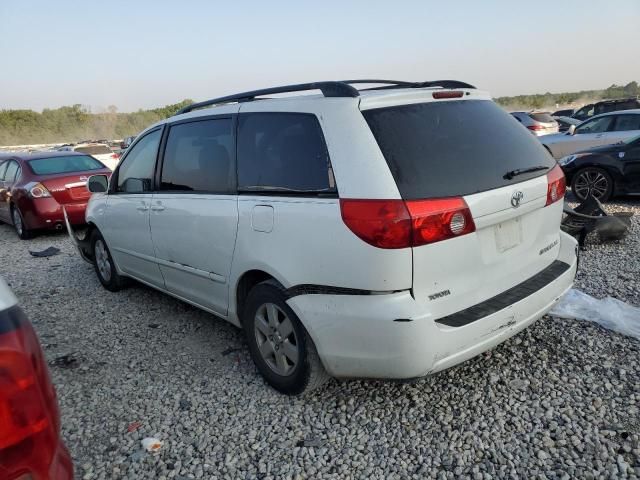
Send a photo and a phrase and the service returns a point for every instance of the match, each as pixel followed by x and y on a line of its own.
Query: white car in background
pixel 99 151
pixel 604 129
pixel 538 123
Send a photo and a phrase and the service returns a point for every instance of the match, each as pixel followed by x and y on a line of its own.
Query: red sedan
pixel 33 188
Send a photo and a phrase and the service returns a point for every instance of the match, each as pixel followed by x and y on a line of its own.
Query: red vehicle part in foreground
pixel 30 443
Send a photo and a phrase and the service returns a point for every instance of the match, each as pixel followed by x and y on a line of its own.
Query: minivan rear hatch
pixel 472 150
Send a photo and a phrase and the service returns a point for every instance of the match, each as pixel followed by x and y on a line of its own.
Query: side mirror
pixel 97 183
pixel 572 130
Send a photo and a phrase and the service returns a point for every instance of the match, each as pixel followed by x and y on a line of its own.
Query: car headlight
pixel 566 160
pixel 570 159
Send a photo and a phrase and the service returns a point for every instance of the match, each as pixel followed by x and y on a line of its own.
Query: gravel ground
pixel 560 400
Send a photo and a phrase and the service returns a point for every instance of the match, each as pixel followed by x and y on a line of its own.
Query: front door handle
pixel 142 208
pixel 157 208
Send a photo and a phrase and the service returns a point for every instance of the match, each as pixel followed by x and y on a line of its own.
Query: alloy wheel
pixel 591 183
pixel 17 221
pixel 102 260
pixel 276 338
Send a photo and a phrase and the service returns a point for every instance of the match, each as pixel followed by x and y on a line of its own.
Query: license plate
pixel 508 234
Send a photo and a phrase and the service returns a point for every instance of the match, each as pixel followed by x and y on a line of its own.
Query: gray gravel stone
pixel 560 400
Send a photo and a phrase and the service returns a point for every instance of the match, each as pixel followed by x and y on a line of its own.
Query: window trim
pixel 330 193
pixel 233 189
pixel 113 181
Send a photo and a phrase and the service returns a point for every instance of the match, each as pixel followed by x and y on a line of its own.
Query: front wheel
pixel 279 344
pixel 103 264
pixel 20 226
pixel 592 181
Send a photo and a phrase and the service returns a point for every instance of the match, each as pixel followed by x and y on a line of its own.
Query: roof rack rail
pixel 328 89
pixel 342 88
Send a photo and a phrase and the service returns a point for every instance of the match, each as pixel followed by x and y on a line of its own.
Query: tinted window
pixel 72 163
pixel 12 170
pixel 3 168
pixel 597 125
pixel 198 157
pixel 627 122
pixel 94 150
pixel 542 117
pixel 282 152
pixel 584 112
pixel 136 171
pixel 443 149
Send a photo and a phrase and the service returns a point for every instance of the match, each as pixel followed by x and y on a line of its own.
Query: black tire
pixel 104 266
pixel 18 224
pixel 307 373
pixel 592 180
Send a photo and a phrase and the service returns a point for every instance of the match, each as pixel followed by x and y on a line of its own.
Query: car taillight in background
pixel 37 190
pixel 29 417
pixel 556 185
pixel 115 155
pixel 410 223
pixel 536 128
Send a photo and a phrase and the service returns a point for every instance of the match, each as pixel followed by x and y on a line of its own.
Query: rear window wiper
pixel 519 171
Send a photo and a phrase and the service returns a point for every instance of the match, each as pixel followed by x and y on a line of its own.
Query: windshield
pixel 445 149
pixel 72 163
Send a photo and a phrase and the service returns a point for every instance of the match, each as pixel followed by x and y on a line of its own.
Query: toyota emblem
pixel 516 198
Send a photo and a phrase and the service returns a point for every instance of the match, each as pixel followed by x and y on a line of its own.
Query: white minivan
pixel 388 232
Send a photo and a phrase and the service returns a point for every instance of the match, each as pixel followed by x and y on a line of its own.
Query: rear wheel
pixel 104 266
pixel 592 181
pixel 18 223
pixel 279 344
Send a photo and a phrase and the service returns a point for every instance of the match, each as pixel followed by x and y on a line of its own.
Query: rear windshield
pixel 93 150
pixel 542 117
pixel 444 149
pixel 72 163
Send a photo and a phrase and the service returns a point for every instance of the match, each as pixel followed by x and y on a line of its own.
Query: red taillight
pixel 38 190
pixel 115 155
pixel 403 224
pixel 439 219
pixel 29 418
pixel 535 128
pixel 556 185
pixel 447 94
pixel 381 223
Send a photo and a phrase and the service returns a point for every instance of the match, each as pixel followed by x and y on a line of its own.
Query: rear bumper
pixel 46 213
pixel 392 336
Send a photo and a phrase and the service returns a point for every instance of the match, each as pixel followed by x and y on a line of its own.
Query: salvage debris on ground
pixel 609 312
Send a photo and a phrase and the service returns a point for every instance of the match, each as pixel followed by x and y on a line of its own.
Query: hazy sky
pixel 140 54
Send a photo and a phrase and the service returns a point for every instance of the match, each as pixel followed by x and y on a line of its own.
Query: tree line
pixel 75 123
pixel 575 99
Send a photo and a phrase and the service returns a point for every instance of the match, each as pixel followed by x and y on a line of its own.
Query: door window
pixel 198 157
pixel 597 125
pixel 282 152
pixel 135 174
pixel 627 122
pixel 11 172
pixel 3 168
